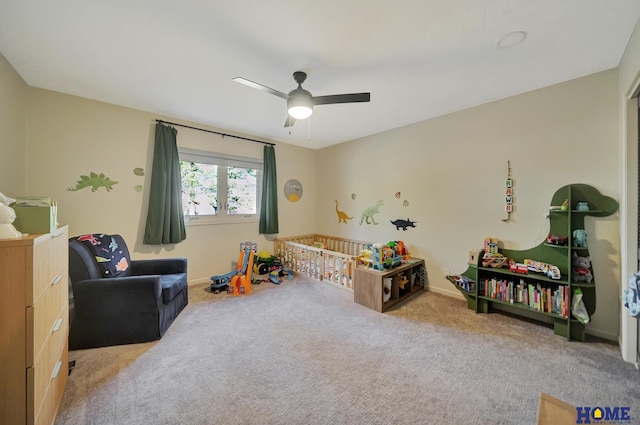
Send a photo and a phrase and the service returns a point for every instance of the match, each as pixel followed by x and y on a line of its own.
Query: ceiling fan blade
pixel 260 87
pixel 290 121
pixel 342 98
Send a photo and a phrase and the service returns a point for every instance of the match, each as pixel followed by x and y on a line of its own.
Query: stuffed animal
pixel 580 238
pixel 7 215
pixel 580 269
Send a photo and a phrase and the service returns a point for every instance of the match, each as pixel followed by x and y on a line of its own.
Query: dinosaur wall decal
pixel 368 213
pixel 342 216
pixel 94 181
pixel 401 223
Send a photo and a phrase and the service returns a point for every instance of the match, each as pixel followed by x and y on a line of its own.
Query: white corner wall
pixel 451 171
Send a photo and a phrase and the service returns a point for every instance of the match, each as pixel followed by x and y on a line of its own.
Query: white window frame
pixel 223 160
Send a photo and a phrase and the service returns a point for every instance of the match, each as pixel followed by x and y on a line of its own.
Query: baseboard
pixel 448 293
pixel 199 281
pixel 602 334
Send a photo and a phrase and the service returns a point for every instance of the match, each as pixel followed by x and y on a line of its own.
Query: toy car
pixel 557 240
pixel 519 268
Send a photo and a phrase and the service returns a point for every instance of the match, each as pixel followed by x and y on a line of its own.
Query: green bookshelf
pixel 498 289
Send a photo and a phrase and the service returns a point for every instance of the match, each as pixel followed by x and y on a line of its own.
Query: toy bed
pixel 325 258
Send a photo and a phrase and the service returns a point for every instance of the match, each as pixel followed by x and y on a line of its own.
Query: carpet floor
pixel 304 353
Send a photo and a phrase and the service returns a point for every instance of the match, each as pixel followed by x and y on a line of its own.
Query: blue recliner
pixel 117 300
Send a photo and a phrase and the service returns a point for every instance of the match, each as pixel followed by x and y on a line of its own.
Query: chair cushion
pixel 172 285
pixel 111 257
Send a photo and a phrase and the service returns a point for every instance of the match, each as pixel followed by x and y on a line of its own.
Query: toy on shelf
pixel 386 289
pixel 383 256
pixel 557 240
pixel 400 249
pixel 237 281
pixel 552 272
pixel 465 283
pixel 494 260
pixel 365 259
pixel 491 245
pixel 518 268
pixel 580 268
pixel 580 238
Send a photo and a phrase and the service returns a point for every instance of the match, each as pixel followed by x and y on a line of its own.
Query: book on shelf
pixel 543 297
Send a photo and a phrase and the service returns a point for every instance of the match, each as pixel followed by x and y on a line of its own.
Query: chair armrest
pixel 158 266
pixel 108 296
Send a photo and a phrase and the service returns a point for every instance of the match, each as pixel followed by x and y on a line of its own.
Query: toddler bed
pixel 325 258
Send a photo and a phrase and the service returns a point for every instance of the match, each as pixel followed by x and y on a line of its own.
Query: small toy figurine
pixel 580 238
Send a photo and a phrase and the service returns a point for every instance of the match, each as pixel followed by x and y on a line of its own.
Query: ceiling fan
pixel 300 102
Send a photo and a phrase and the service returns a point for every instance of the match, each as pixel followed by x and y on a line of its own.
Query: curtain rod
pixel 215 132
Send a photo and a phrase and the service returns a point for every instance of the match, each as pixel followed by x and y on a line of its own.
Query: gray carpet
pixel 305 353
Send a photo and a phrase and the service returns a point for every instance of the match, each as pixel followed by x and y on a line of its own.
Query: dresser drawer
pixel 50 262
pixel 48 367
pixel 53 395
pixel 43 318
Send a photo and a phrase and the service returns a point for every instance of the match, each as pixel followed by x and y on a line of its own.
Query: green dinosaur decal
pixel 94 181
pixel 369 212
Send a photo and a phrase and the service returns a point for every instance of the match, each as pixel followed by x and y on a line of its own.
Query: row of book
pixel 539 296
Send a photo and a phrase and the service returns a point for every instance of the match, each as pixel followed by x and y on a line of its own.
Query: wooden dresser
pixel 34 326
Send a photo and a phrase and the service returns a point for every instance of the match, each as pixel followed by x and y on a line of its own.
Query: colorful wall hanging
pixel 508 194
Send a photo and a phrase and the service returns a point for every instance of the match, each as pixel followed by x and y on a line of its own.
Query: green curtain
pixel 165 219
pixel 269 204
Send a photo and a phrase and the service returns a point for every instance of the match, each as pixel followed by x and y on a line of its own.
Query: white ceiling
pixel 418 58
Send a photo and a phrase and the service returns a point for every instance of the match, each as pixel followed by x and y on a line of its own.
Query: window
pixel 219 188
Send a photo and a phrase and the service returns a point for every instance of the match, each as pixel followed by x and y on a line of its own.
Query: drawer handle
pixel 56 326
pixel 56 370
pixel 56 280
pixel 56 235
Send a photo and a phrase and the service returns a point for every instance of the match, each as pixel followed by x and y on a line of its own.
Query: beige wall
pixel 13 99
pixel 71 136
pixel 452 169
pixel 629 82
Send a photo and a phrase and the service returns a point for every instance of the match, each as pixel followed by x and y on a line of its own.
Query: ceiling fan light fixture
pixel 299 104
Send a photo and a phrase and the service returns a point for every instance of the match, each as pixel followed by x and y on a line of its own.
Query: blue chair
pixel 116 300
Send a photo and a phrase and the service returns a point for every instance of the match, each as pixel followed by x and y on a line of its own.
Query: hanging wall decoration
pixel 293 190
pixel 94 181
pixel 508 194
pixel 140 173
pixel 398 195
pixel 342 216
pixel 368 213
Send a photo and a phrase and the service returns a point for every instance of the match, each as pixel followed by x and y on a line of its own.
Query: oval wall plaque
pixel 293 190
